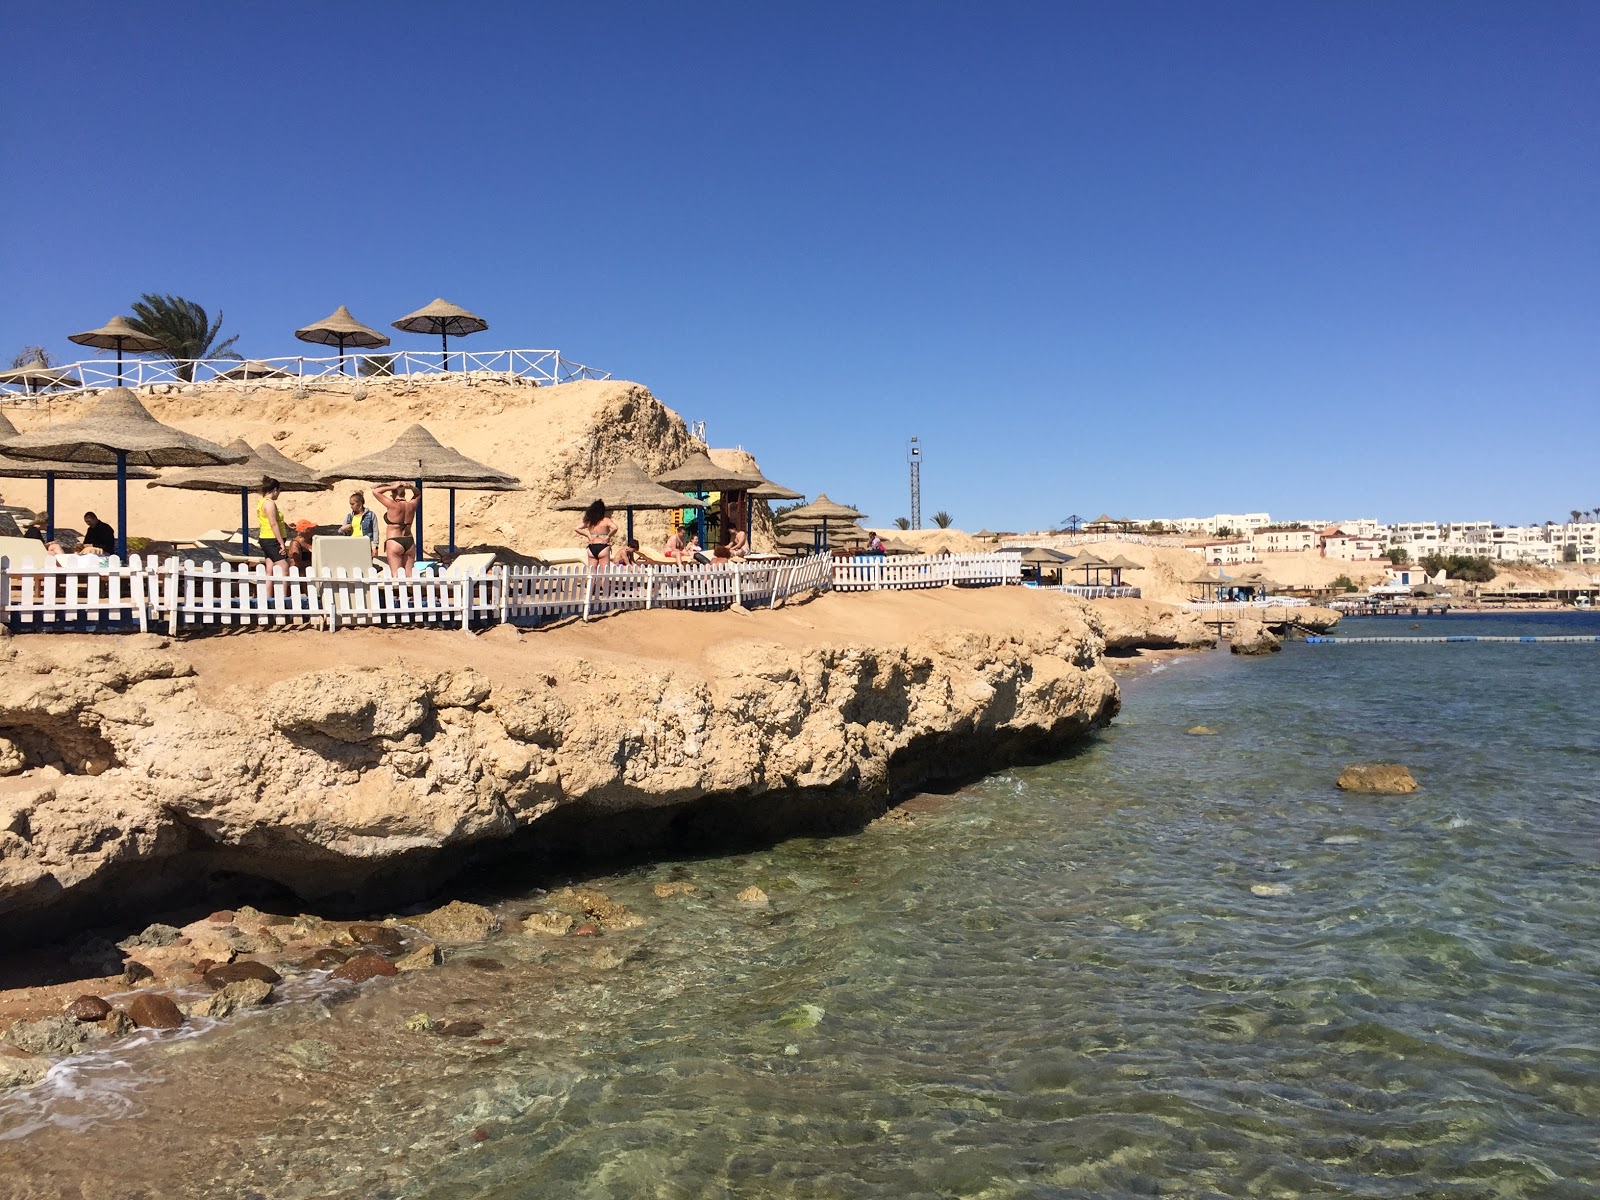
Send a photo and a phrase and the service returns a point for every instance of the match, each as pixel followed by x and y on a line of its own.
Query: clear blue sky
pixel 1154 258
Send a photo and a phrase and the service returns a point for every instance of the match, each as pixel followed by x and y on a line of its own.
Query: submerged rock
pixel 677 887
pixel 220 977
pixel 1390 779
pixel 364 967
pixel 550 924
pixel 421 1023
pixel 309 1053
pixel 420 959
pixel 20 1072
pixel 243 993
pixel 752 895
pixel 382 938
pixel 1251 636
pixel 1202 731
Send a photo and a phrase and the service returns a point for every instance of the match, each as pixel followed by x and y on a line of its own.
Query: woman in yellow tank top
pixel 273 531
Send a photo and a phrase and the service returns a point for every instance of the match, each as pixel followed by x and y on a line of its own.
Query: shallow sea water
pixel 1165 965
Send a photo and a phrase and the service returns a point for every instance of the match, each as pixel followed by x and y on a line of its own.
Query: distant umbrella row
pixel 118 438
pixel 337 329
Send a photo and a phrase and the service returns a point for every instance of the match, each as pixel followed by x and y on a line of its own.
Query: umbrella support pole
pixel 244 521
pixel 417 546
pixel 122 502
pixel 444 343
pixel 49 506
pixel 630 524
pixel 452 522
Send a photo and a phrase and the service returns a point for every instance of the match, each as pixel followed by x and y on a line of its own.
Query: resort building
pixel 1227 553
pixel 1281 539
pixel 1338 542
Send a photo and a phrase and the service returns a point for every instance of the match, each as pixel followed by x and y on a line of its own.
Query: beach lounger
pixel 655 557
pixel 561 556
pixel 333 551
pixel 470 564
pixel 23 550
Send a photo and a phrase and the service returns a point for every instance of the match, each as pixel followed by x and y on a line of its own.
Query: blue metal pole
pixel 419 519
pixel 630 524
pixel 452 522
pixel 122 505
pixel 244 520
pixel 49 506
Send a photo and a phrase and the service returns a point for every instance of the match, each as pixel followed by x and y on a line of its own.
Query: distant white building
pixel 1337 542
pixel 1276 540
pixel 1227 553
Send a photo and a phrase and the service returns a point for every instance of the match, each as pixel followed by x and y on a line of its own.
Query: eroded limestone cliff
pixel 364 765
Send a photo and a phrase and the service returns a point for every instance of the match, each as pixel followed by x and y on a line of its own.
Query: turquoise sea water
pixel 1165 965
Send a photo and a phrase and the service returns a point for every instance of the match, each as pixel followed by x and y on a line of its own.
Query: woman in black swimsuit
pixel 399 500
pixel 598 529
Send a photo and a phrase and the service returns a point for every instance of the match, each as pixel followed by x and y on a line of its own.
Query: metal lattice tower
pixel 914 457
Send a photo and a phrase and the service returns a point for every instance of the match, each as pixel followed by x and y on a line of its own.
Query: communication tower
pixel 914 457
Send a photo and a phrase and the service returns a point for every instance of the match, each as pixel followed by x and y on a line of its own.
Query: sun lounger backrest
pixel 471 564
pixel 22 551
pixel 558 556
pixel 334 551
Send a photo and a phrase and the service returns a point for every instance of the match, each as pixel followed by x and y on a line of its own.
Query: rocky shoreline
pixel 155 774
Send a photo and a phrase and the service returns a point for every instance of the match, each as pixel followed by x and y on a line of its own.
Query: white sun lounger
pixel 333 551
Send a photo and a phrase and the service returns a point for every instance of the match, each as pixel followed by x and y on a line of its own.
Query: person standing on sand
pixel 597 529
pixel 360 520
pixel 399 500
pixel 272 531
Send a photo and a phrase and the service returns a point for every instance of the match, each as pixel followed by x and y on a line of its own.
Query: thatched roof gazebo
pixel 419 456
pixel 818 515
pixel 118 429
pixel 699 475
pixel 628 487
pixel 251 369
pixel 247 475
pixel 445 319
pixel 340 329
pixel 49 470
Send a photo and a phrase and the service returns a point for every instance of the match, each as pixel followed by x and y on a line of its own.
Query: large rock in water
pixel 1390 779
pixel 1251 636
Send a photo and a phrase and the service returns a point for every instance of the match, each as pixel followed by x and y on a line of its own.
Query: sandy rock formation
pixel 1389 779
pixel 1148 625
pixel 146 775
pixel 1251 636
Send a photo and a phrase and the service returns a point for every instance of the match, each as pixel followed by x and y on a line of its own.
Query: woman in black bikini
pixel 598 529
pixel 399 500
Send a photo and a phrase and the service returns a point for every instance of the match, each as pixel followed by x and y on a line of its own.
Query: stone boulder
pixel 243 993
pixel 52 1035
pixel 20 1072
pixel 1251 636
pixel 1389 779
pixel 152 1010
pixel 457 921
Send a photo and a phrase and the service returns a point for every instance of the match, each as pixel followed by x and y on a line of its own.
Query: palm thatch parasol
pixel 341 329
pixel 417 455
pixel 628 488
pixel 247 475
pixel 821 511
pixel 118 429
pixel 117 334
pixel 699 474
pixel 767 490
pixel 443 318
pixel 251 369
pixel 50 471
pixel 37 374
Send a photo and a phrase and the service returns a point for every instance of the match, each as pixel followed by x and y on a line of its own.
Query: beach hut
pixel 50 471
pixel 445 319
pixel 420 457
pixel 117 334
pixel 699 476
pixel 818 515
pixel 118 429
pixel 1118 565
pixel 245 476
pixel 35 376
pixel 1044 562
pixel 628 488
pixel 340 329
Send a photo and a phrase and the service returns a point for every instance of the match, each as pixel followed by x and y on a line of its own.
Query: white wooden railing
pixel 179 595
pixel 1094 591
pixel 1232 605
pixel 875 572
pixel 541 367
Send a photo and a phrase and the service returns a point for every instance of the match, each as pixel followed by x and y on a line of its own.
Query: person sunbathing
pixel 738 544
pixel 676 548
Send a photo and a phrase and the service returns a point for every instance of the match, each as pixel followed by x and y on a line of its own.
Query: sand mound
pixel 555 439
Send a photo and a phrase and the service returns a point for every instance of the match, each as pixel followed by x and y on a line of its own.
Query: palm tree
pixel 29 355
pixel 184 328
pixel 902 522
pixel 1577 515
pixel 943 519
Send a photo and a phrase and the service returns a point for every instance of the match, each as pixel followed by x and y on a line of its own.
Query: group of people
pixel 98 537
pixel 286 547
pixel 598 531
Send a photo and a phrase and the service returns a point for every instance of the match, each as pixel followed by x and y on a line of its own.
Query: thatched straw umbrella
pixel 767 490
pixel 699 475
pixel 246 476
pixel 820 512
pixel 37 374
pixel 1043 558
pixel 50 471
pixel 117 334
pixel 118 429
pixel 417 455
pixel 628 488
pixel 1118 565
pixel 443 318
pixel 341 329
pixel 251 369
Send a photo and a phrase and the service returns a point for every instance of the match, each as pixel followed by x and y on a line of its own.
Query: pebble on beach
pixel 364 967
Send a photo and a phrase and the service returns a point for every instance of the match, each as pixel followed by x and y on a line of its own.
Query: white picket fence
pixel 178 595
pixel 875 572
pixel 1236 605
pixel 542 367
pixel 1094 591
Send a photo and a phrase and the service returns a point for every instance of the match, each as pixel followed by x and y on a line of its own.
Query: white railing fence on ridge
pixel 175 594
pixel 1233 605
pixel 539 367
